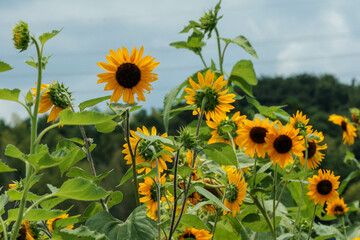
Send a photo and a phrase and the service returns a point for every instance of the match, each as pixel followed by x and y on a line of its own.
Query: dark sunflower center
pixel 343 126
pixel 189 236
pixel 211 99
pixel 128 75
pixel 339 209
pixel 147 149
pixel 283 144
pixel 258 134
pixel 324 187
pixel 22 233
pixel 231 193
pixel 225 127
pixel 153 193
pixel 311 149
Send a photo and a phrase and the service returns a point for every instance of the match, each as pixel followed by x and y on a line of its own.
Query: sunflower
pixel 197 234
pixel 189 157
pixel 356 238
pixel 51 222
pixel 53 98
pixel 300 121
pixel 252 136
pixel 148 188
pixel 282 143
pixel 25 232
pixel 235 192
pixel 217 101
pixel 337 208
pixel 323 187
pixel 144 151
pixel 349 130
pixel 314 154
pixel 128 74
pixel 223 127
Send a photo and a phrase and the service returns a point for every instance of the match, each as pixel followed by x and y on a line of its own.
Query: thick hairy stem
pixel 175 194
pixel 274 199
pixel 312 222
pixel 219 51
pixel 158 196
pixel 264 213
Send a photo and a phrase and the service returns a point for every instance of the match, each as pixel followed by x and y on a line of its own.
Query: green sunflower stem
pixel 219 51
pixel 202 59
pixel 127 135
pixel 284 187
pixel 216 219
pixel 4 227
pixel 274 199
pixel 173 216
pixel 312 222
pixel 45 131
pixel 264 213
pixel 158 196
pixel 302 186
pixel 254 170
pixel 343 221
pixel 29 170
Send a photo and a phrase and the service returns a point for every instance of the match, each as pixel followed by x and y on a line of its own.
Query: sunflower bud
pixel 21 36
pixel 355 114
pixel 60 96
pixel 186 139
pixel 302 127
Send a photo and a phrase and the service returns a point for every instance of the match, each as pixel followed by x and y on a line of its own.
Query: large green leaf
pixel 35 214
pixel 5 168
pixel 4 198
pixel 346 181
pixel 92 102
pixel 273 112
pixel 244 70
pixel 244 43
pixel 75 154
pixel 211 197
pixel 16 195
pixel 114 199
pixel 121 108
pixel 81 189
pixel 106 127
pixel 194 42
pixel 137 226
pixel 154 138
pixel 224 231
pixel 193 221
pixel 4 67
pixel 11 95
pixel 79 172
pixel 222 153
pixel 83 233
pixel 46 36
pixel 68 117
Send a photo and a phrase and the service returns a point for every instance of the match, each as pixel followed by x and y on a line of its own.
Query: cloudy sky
pixel 290 37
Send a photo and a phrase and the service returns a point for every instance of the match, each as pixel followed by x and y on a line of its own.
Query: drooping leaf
pixel 92 102
pixel 191 25
pixel 62 223
pixel 244 43
pixel 51 203
pixel 243 70
pixel 82 232
pixel 46 36
pixel 211 197
pixel 222 153
pixel 193 221
pixel 4 67
pixel 16 195
pixel 79 172
pixel 68 117
pixel 5 168
pixel 346 181
pixel 137 226
pixel 11 95
pixel 114 199
pixel 35 214
pixel 93 209
pixel 120 108
pixel 75 154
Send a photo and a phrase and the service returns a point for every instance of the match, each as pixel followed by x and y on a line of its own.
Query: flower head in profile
pixel 56 97
pixel 224 128
pixel 283 143
pixel 196 234
pixel 145 150
pixel 314 155
pixel 21 36
pixel 252 136
pixel 216 101
pixel 235 192
pixel 128 74
pixel 349 130
pixel 299 121
pixel 148 188
pixel 336 207
pixel 322 187
pixel 50 222
pixel 27 231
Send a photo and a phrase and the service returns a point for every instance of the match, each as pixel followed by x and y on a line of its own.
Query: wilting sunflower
pixel 300 121
pixel 197 234
pixel 51 222
pixel 314 154
pixel 349 130
pixel 223 127
pixel 337 208
pixel 128 74
pixel 148 188
pixel 144 151
pixel 282 143
pixel 235 192
pixel 53 98
pixel 323 187
pixel 217 100
pixel 252 136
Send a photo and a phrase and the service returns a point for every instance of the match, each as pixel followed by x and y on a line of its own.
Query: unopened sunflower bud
pixel 187 139
pixel 21 36
pixel 60 96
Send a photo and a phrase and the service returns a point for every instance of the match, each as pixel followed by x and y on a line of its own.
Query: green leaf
pixel 247 88
pixel 222 153
pixel 82 232
pixel 129 172
pixel 297 176
pixel 62 223
pixel 106 127
pixel 11 95
pixel 81 189
pixel 74 155
pixel 16 195
pixel 211 197
pixel 114 199
pixel 137 226
pixel 184 171
pixel 155 138
pixel 68 117
pixel 257 222
pixel 79 172
pixel 120 108
pixel 194 42
pixel 244 43
pixel 346 181
pixel 224 231
pixel 35 214
pixel 51 203
pixel 168 103
pixel 92 102
pixel 191 25
pixel 273 112
pixel 5 168
pixel 193 221
pixel 93 209
pixel 46 36
pixel 4 198
pixel 4 67
pixel 243 70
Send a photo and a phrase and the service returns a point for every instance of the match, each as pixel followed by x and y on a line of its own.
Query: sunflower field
pixel 226 175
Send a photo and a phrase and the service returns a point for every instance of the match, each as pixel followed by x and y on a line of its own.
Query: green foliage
pixel 222 153
pixel 4 67
pixel 82 232
pixel 67 117
pixel 5 168
pixel 92 102
pixel 244 43
pixel 47 36
pixel 11 95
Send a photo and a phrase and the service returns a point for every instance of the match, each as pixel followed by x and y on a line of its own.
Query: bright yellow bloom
pixel 300 121
pixel 144 153
pixel 252 136
pixel 217 101
pixel 128 74
pixel 349 130
pixel 323 187
pixel 314 154
pixel 197 234
pixel 25 231
pixel 337 208
pixel 51 222
pixel 282 143
pixel 223 127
